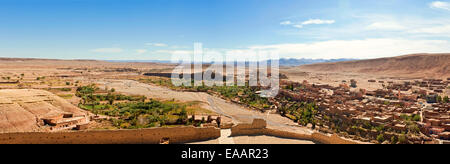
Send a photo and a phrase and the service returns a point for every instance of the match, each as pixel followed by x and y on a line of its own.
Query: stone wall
pixel 258 127
pixel 138 136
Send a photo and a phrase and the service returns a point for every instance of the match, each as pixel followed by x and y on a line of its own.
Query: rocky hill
pixel 416 65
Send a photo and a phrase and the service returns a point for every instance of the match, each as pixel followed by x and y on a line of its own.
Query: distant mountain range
pixel 298 62
pixel 283 61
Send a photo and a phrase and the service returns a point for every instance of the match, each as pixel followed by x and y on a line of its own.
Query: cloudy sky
pixel 149 30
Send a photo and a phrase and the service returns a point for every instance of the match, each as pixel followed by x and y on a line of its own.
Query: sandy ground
pixel 263 139
pixel 267 140
pixel 335 79
pixel 258 140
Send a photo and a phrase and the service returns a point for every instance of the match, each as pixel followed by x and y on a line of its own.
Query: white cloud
pixel 443 30
pixel 179 47
pixel 175 52
pixel 107 50
pixel 385 26
pixel 156 44
pixel 382 26
pixel 318 21
pixel 141 51
pixel 440 5
pixel 333 49
pixel 359 49
pixel 298 26
pixel 286 23
pixel 408 27
pixel 308 22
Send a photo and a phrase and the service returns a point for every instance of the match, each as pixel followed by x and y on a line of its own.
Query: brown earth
pixel 15 63
pixel 415 65
pixel 21 109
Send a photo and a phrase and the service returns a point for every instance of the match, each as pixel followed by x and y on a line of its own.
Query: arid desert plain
pixel 389 100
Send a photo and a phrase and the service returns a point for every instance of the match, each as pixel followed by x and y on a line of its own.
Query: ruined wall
pixel 138 136
pixel 258 127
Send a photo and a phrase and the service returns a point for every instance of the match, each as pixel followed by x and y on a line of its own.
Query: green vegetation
pixel 446 100
pixel 159 81
pixel 439 99
pixel 302 112
pixel 148 114
pixel 394 140
pixel 65 89
pixel 246 95
pixel 411 124
pixel 413 128
pixel 40 78
pixel 402 139
pixel 414 117
pixel 379 128
pixel 380 138
pixel 66 96
pixel 134 111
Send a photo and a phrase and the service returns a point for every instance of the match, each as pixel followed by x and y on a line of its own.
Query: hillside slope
pixel 416 65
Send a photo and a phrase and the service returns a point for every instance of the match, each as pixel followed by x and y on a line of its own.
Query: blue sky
pixel 154 29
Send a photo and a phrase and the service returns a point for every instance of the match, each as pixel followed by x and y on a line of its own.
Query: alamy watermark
pixel 256 68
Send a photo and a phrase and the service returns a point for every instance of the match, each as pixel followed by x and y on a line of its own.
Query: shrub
pixel 393 140
pixel 379 128
pixel 439 99
pixel 65 89
pixel 416 117
pixel 402 139
pixel 380 138
pixel 413 128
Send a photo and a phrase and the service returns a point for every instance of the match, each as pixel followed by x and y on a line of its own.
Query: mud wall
pixel 316 137
pixel 138 136
pixel 258 127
